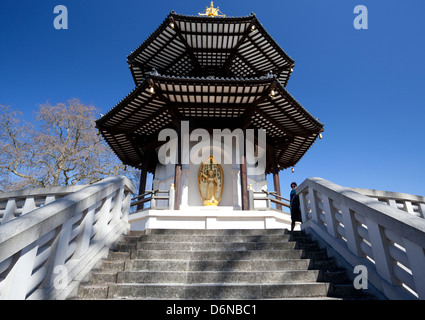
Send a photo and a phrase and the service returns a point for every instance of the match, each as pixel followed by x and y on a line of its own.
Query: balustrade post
pixel 330 217
pixel 408 206
pixel 49 199
pixel 62 245
pixel 315 212
pixel 171 198
pixel 268 201
pixel 126 205
pixel 16 284
pixel 85 236
pixel 9 211
pixel 29 205
pixel 250 198
pixel 303 205
pixel 350 225
pixel 104 215
pixel 422 209
pixel 153 201
pixel 416 258
pixel 381 256
pixel 116 210
pixel 392 203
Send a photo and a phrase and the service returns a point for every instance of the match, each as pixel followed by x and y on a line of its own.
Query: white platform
pixel 209 218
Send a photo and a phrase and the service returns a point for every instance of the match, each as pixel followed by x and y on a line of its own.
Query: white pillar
pixel 185 187
pixel 236 183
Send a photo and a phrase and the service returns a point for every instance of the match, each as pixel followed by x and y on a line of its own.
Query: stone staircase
pixel 218 264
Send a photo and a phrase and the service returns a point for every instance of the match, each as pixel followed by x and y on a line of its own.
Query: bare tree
pixel 60 148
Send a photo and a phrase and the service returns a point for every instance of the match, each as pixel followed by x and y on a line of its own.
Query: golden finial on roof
pixel 212 12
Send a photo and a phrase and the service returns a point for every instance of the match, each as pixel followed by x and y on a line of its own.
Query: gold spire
pixel 212 12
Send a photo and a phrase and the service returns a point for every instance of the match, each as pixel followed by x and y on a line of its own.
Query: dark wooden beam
pixel 274 122
pixel 232 56
pixel 177 186
pixel 189 49
pixel 143 178
pixel 244 181
pixel 276 180
pixel 178 176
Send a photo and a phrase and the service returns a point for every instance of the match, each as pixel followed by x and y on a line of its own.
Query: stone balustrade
pixel 389 242
pixel 412 204
pixel 50 238
pixel 16 203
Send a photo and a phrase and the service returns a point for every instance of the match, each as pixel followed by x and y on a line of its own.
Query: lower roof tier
pixel 131 128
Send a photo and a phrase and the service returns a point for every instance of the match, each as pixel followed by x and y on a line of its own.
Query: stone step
pixel 129 239
pixel 218 232
pixel 217 291
pixel 111 266
pixel 217 265
pixel 310 246
pixel 86 291
pixel 323 264
pixel 228 255
pixel 212 246
pixel 192 277
pixel 99 281
pixel 299 236
pixel 103 277
pixel 334 277
pixel 347 291
pixel 118 256
pixel 213 238
pixel 183 242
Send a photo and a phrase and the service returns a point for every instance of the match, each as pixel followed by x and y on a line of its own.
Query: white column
pixel 185 187
pixel 237 196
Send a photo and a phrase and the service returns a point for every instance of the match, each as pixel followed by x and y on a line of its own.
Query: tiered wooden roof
pixel 187 46
pixel 215 73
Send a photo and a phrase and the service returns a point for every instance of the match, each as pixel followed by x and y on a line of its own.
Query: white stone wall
pixel 164 177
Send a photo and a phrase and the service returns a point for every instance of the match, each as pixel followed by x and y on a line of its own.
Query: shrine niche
pixel 210 182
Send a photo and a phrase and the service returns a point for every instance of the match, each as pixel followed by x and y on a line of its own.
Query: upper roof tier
pixel 191 46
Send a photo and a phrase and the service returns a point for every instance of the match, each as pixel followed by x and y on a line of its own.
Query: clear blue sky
pixel 366 86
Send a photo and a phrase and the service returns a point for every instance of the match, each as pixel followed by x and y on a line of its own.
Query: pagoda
pixel 209 72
